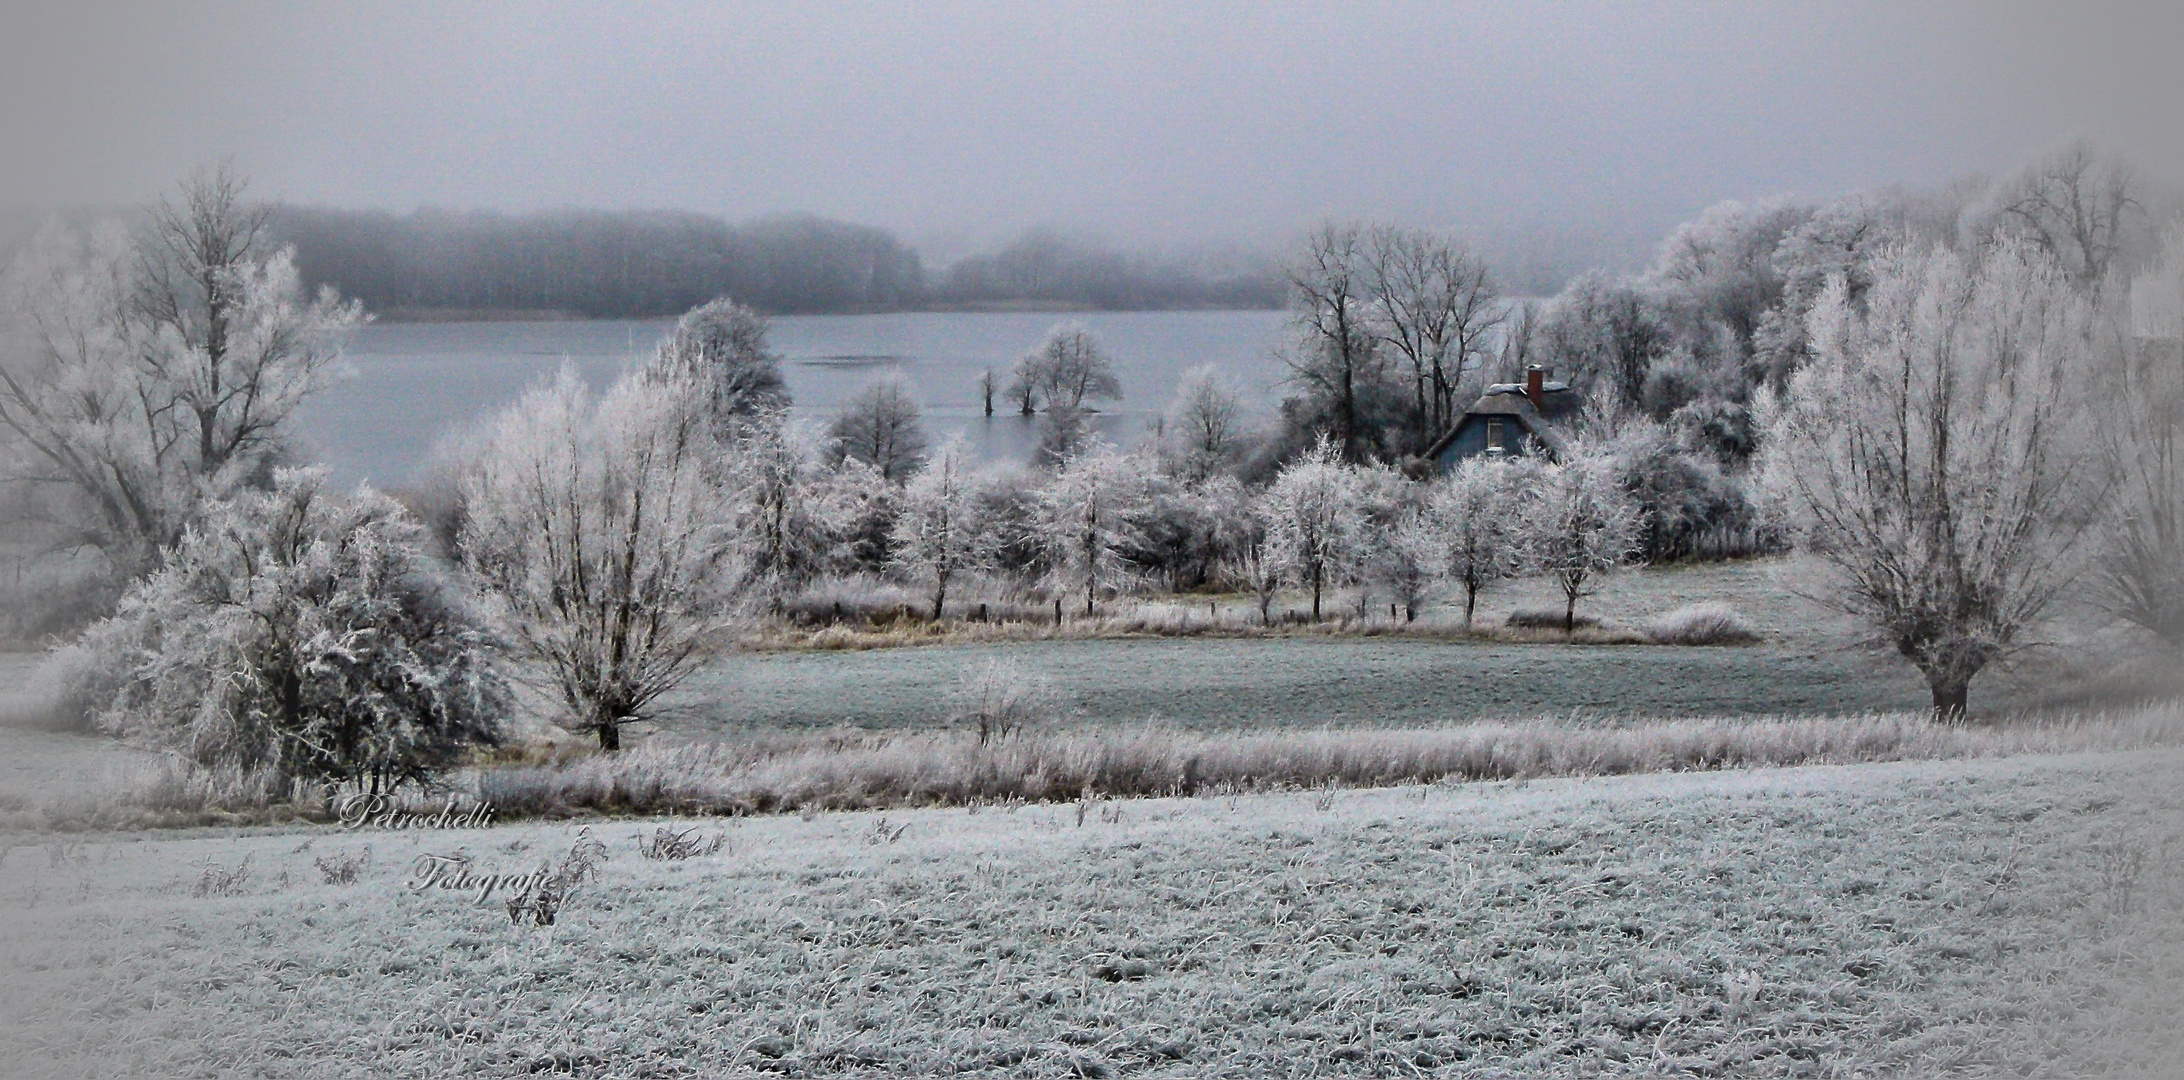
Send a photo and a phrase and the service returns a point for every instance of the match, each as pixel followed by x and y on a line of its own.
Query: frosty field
pixel 2015 916
pixel 1291 682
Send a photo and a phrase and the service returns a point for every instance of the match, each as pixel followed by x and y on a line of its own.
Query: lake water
pixel 415 382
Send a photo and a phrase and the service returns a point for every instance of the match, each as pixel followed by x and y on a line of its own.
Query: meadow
pixel 2016 916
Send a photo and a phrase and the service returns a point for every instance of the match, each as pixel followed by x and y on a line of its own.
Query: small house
pixel 1510 419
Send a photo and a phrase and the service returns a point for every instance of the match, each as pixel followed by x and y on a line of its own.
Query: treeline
pixel 637 264
pixel 597 264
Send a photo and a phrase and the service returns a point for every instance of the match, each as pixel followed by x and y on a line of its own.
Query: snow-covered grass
pixel 2020 916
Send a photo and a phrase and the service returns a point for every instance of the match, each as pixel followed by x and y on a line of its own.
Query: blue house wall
pixel 1469 440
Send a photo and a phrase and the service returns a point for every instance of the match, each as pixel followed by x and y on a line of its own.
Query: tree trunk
pixel 610 735
pixel 939 594
pixel 1952 696
pixel 1471 603
pixel 1569 615
pixel 1315 594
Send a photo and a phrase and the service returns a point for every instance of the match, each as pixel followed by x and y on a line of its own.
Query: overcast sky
pixel 1154 125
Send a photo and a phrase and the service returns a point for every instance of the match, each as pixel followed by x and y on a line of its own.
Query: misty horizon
pixel 1590 131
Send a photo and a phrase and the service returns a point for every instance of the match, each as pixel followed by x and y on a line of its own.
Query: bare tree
pixel 986 388
pixel 1935 453
pixel 937 536
pixel 604 533
pixel 1433 304
pixel 153 375
pixel 1330 303
pixel 879 426
pixel 2141 563
pixel 1577 524
pixel 2074 203
pixel 1259 566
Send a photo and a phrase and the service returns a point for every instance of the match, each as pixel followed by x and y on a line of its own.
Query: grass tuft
pixel 1702 624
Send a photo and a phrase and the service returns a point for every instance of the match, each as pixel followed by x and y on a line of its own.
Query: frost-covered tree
pixel 1936 453
pixel 1202 433
pixel 604 531
pixel 1087 520
pixel 1577 523
pixel 1404 561
pixel 1314 514
pixel 2141 563
pixel 721 347
pixel 2076 203
pixel 1197 530
pixel 297 632
pixel 1839 241
pixel 937 538
pixel 147 374
pixel 1471 516
pixel 789 512
pixel 1604 336
pixel 1719 269
pixel 1064 433
pixel 1256 564
pixel 879 425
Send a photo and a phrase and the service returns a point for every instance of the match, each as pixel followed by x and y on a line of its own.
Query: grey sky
pixel 1154 124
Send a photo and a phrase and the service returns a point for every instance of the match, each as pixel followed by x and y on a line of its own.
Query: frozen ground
pixel 1294 682
pixel 2015 916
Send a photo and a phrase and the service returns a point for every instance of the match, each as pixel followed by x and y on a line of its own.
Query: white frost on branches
pixel 1938 452
pixel 606 531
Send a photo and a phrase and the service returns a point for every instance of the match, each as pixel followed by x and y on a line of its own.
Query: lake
pixel 413 383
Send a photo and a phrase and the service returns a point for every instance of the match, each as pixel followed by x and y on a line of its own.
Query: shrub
pixel 1702 624
pixel 1001 697
pixel 301 635
pixel 1547 620
pixel 675 845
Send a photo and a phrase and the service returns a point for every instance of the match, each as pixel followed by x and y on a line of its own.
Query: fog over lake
pixel 415 382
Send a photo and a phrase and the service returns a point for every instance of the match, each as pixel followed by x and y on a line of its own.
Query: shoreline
pixel 407 316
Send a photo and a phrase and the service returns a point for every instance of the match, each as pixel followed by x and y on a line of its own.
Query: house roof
pixel 1510 401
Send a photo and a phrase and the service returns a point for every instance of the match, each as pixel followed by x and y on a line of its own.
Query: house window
pixel 1493 436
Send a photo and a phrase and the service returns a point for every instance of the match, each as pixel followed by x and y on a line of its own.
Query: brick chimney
pixel 1535 386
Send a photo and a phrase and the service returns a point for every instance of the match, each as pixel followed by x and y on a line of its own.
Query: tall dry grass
pixel 1166 620
pixel 887 770
pixel 879 771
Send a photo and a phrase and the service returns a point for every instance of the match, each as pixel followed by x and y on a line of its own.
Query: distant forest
pixel 635 264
